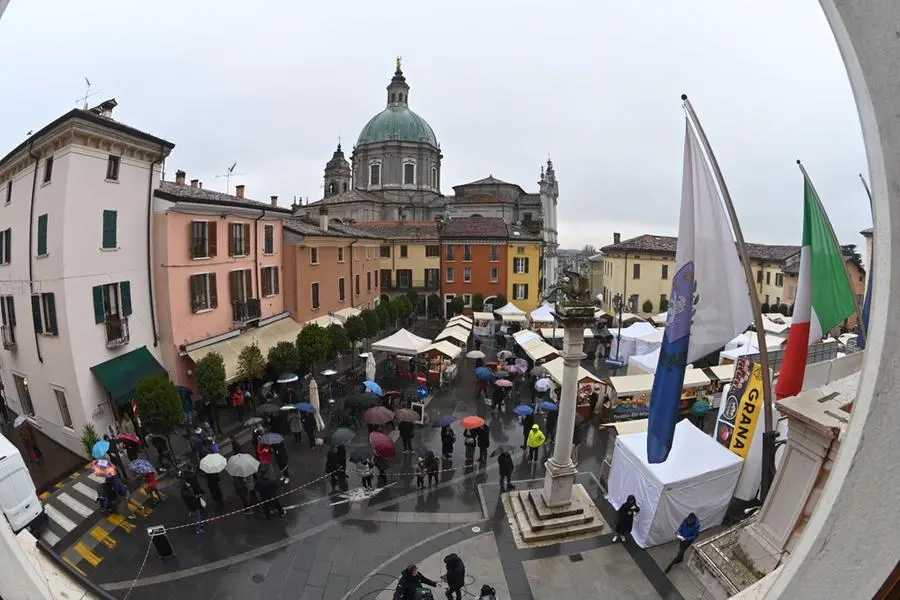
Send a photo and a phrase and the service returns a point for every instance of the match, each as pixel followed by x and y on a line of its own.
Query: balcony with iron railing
pixel 8 333
pixel 116 331
pixel 418 285
pixel 246 311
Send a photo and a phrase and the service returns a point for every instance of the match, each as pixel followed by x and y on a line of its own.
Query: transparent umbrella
pixel 370 366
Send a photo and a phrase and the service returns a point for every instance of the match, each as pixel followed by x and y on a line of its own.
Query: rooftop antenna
pixel 227 175
pixel 87 94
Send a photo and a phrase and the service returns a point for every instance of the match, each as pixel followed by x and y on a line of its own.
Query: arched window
pixel 375 174
pixel 409 172
pixel 476 215
pixel 434 177
pixel 345 186
pixel 393 97
pixel 330 188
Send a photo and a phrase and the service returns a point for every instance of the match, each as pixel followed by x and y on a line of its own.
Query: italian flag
pixel 824 296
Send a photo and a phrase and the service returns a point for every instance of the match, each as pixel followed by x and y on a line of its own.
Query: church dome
pixel 397 123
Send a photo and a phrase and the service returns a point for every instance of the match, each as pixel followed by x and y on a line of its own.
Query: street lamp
pixel 618 304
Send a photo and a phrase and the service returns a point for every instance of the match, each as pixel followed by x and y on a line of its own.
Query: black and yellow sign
pixel 742 407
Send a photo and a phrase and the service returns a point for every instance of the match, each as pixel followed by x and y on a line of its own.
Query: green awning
pixel 121 374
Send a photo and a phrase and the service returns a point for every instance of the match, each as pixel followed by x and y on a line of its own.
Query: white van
pixel 18 498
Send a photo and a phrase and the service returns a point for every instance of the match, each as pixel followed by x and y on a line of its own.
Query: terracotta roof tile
pixel 175 192
pixel 474 227
pixel 400 230
pixel 665 244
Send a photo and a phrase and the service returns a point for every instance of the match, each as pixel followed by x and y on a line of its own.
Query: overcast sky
pixel 594 85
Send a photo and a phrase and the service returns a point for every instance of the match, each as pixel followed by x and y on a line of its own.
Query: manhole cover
pixel 259 578
pixel 476 529
pixel 577 557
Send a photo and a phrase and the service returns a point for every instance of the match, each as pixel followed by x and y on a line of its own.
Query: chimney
pixel 617 238
pixel 239 191
pixel 200 184
pixel 323 219
pixel 274 200
pixel 194 182
pixel 179 177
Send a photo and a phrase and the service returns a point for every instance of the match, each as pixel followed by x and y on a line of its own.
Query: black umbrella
pixel 342 436
pixel 501 449
pixel 267 409
pixel 363 400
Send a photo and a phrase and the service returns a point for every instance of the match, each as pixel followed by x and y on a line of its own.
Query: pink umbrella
pixel 378 415
pixel 503 383
pixel 382 445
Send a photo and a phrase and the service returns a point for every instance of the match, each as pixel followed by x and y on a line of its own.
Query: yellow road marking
pixel 75 475
pixel 59 485
pixel 87 554
pixel 139 509
pixel 71 564
pixel 44 496
pixel 120 521
pixel 101 535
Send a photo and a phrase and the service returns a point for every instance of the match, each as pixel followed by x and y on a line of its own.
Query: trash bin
pixel 160 540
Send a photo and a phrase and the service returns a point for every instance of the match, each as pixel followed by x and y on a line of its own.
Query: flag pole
pixel 834 238
pixel 868 192
pixel 768 457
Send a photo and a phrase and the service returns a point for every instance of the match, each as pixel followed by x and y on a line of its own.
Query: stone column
pixel 560 470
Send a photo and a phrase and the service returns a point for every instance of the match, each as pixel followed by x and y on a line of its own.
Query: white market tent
pixel 457 333
pixel 555 371
pixel 543 314
pixel 484 323
pixel 627 317
pixel 525 336
pixel 598 314
pixel 660 319
pixel 538 349
pixel 467 325
pixel 650 342
pixel 449 350
pixel 460 320
pixel 510 312
pixel 699 476
pixel 346 313
pixel 482 316
pixel 557 333
pixel 630 336
pixel 641 364
pixel 403 342
pixel 324 321
pixel 773 342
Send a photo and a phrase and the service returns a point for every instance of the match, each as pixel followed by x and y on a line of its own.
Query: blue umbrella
pixel 142 467
pixel 551 406
pixel 374 388
pixel 443 421
pixel 270 439
pixel 484 374
pixel 523 410
pixel 100 448
pixel 305 407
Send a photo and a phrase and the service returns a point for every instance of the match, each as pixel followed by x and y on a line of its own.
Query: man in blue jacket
pixel 687 532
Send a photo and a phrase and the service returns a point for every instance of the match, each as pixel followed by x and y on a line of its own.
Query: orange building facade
pixel 473 260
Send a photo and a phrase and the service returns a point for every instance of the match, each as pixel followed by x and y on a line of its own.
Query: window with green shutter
pixel 99 304
pixel 42 235
pixel 36 314
pixel 125 291
pixel 49 301
pixel 109 229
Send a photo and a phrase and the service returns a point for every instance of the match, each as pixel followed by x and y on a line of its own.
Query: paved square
pixel 607 573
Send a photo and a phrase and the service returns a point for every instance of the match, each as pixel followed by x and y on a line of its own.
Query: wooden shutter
pixel 51 313
pixel 247 244
pixel 213 291
pixel 194 283
pixel 212 234
pixel 526 290
pixel 125 292
pixel 7 246
pixel 36 314
pixel 11 310
pixel 275 279
pixel 99 304
pixel 109 229
pixel 42 235
pixel 234 282
pixel 192 239
pixel 526 264
pixel 231 251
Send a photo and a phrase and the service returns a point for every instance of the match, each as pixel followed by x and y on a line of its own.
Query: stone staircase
pixel 537 522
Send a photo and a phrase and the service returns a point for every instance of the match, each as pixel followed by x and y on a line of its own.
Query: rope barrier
pixel 140 571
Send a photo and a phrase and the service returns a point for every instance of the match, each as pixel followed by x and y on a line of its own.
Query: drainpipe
pixel 149 245
pixel 352 287
pixel 256 254
pixel 37 160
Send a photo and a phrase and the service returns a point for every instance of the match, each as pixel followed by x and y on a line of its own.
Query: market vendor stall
pixel 346 313
pixel 461 321
pixel 485 324
pixel 403 342
pixel 588 384
pixel 698 476
pixel 615 430
pixel 538 350
pixel 439 359
pixel 629 395
pixel 542 316
pixel 457 335
pixel 511 313
pixel 624 344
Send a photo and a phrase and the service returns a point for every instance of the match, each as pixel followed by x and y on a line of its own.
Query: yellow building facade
pixel 523 281
pixel 409 255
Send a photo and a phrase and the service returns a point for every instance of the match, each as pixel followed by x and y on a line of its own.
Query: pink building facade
pixel 218 276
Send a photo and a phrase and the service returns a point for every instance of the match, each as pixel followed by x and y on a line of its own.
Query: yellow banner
pixel 741 409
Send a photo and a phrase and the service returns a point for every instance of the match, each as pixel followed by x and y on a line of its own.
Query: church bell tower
pixel 337 174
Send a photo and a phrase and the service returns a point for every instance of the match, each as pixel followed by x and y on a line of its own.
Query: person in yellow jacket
pixel 536 439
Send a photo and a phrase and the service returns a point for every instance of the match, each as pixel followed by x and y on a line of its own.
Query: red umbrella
pixel 129 438
pixel 405 414
pixel 378 415
pixel 491 364
pixel 103 468
pixel 472 422
pixel 382 445
pixel 392 394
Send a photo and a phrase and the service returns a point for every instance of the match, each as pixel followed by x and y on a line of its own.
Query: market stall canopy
pixel 629 427
pixel 538 349
pixel 555 370
pixel 325 321
pixel 483 316
pixel 557 333
pixel 654 337
pixel 660 319
pixel 510 312
pixel 346 313
pixel 525 336
pixel 467 325
pixel 457 333
pixel 403 342
pixel 543 314
pixel 628 318
pixel 120 375
pixel 699 473
pixel 773 342
pixel 776 323
pixel 265 337
pixel 626 385
pixel 449 350
pixel 721 372
pixel 599 314
pixel 461 318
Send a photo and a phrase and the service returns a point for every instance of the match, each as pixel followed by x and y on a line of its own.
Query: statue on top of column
pixel 573 290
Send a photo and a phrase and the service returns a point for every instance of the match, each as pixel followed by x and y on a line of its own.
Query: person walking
pixel 432 466
pixel 536 439
pixel 237 402
pixel 295 423
pixel 213 482
pixel 29 440
pixel 527 422
pixel 240 488
pixel 267 485
pixel 455 576
pixel 309 426
pixel 365 473
pixel 448 438
pixel 194 503
pixel 577 436
pixel 420 473
pixel 410 584
pixel 151 486
pixel 483 437
pixel 625 518
pixel 469 444
pixel 265 454
pixel 687 533
pixel 550 425
pixel 407 431
pixel 497 397
pixel 699 410
pixel 164 453
pixel 505 465
pixel 281 461
pixel 334 467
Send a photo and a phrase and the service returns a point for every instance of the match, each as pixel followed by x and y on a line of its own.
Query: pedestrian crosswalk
pixel 71 502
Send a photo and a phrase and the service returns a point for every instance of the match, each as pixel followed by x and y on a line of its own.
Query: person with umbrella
pixel 536 439
pixel 267 486
pixel 483 436
pixel 421 469
pixel 193 501
pixel 550 421
pixel 365 468
pixel 334 467
pixel 237 401
pixel 497 397
pixel 281 459
pixel 151 481
pixel 264 452
pixel 625 518
pixel 212 465
pixel 448 438
pixel 527 422
pixel 432 467
pixel 505 466
pixel 296 425
pixel 213 482
pixel 309 426
pixel 469 444
pixel 254 440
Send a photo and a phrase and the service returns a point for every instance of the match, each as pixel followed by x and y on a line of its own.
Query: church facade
pixel 394 174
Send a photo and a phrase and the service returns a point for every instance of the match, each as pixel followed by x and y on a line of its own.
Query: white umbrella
pixel 475 354
pixel 213 463
pixel 287 378
pixel 242 465
pixel 19 420
pixel 370 367
pixel 543 385
pixel 314 400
